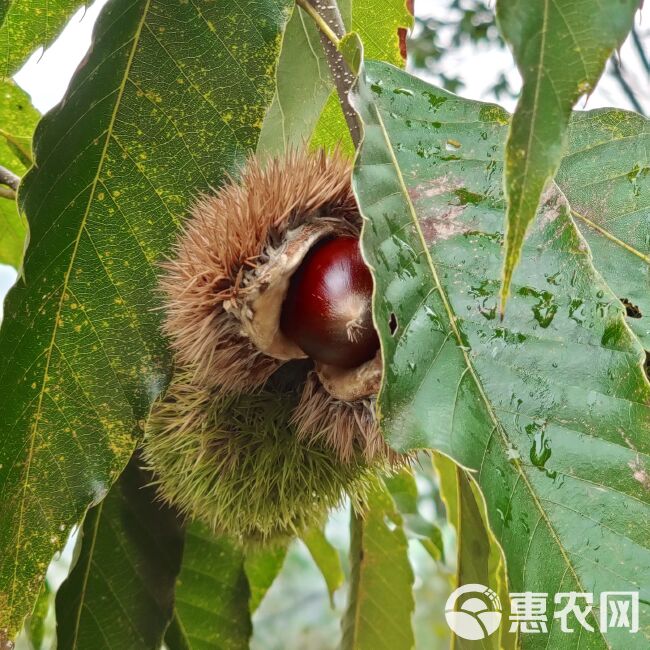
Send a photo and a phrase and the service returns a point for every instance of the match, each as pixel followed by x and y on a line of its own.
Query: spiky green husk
pixel 236 463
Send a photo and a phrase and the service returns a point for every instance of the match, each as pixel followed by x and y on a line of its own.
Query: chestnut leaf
pixel 146 124
pixel 478 557
pixel 305 106
pixel 17 121
pixel 120 592
pixel 262 566
pixel 380 596
pixel 326 558
pixel 548 408
pixel 605 175
pixel 27 24
pixel 212 595
pixel 561 47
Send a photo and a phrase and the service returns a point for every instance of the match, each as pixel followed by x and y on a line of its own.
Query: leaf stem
pixel 7 193
pixel 639 48
pixel 625 86
pixel 324 28
pixel 8 178
pixel 327 17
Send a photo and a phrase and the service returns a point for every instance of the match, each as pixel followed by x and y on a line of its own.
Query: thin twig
pixel 7 193
pixel 327 18
pixel 625 86
pixel 8 178
pixel 639 48
pixel 320 22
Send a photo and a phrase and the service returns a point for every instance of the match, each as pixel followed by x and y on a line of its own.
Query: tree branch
pixel 327 17
pixel 324 28
pixel 7 193
pixel 9 179
pixel 625 86
pixel 639 48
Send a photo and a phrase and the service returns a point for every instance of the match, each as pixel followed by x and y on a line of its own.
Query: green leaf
pixel 496 566
pixel 331 130
pixel 446 471
pixel 478 559
pixel 327 560
pixel 380 600
pixel 262 566
pixel 40 620
pixel 404 490
pixel 175 637
pixel 473 551
pixel 377 22
pixel 605 175
pixel 561 47
pixel 303 86
pixel 27 25
pixel 120 593
pixel 212 595
pixel 305 107
pixel 548 407
pixel 147 124
pixel 17 121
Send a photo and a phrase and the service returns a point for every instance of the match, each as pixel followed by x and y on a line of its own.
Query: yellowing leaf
pixel 147 123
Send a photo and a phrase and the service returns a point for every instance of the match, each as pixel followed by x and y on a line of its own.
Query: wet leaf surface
pixel 560 47
pixel 548 408
pixel 605 175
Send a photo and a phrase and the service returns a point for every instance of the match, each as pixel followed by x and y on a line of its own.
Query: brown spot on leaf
pixel 5 643
pixel 640 474
pixel 551 205
pixel 402 32
pixel 442 225
pixel 438 217
pixel 435 187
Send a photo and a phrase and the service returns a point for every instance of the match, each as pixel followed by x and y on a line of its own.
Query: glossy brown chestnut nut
pixel 327 311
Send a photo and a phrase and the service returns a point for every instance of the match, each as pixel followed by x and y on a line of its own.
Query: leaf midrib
pixel 64 286
pixel 511 257
pixel 84 585
pixel 608 235
pixel 470 367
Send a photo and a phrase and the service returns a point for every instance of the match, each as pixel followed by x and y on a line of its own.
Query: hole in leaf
pixel 631 309
pixel 392 324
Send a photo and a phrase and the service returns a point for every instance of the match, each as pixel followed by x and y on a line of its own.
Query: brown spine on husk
pixel 226 284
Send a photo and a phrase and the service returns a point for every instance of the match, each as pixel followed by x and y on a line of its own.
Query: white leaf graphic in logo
pixel 473 611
